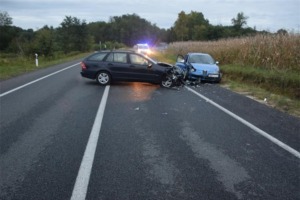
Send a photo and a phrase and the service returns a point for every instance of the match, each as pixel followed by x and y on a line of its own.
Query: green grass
pixel 286 83
pixel 277 101
pixel 11 65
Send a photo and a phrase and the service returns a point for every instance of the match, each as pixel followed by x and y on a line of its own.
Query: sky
pixel 269 15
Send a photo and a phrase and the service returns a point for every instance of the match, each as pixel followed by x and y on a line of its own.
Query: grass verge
pixel 286 83
pixel 277 101
pixel 11 65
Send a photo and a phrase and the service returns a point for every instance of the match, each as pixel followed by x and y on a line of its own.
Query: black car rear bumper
pixel 85 74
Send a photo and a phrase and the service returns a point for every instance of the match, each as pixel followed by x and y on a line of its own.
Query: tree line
pixel 75 35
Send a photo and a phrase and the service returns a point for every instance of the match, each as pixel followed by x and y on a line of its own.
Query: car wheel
pixel 103 78
pixel 166 82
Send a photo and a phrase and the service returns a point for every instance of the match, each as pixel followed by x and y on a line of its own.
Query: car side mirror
pixel 149 65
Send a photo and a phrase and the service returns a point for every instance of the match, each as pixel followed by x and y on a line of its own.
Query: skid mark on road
pixel 230 172
pixel 159 168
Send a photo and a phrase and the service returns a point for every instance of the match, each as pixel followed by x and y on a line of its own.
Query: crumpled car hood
pixel 163 64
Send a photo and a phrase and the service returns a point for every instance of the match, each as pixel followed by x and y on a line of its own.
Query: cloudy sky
pixel 270 15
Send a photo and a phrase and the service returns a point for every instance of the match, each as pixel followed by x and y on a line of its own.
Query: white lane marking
pixel 22 86
pixel 261 132
pixel 83 177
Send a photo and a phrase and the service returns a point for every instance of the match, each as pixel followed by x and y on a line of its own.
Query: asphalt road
pixel 65 137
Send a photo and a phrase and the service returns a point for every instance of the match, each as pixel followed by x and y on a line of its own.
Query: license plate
pixel 213 75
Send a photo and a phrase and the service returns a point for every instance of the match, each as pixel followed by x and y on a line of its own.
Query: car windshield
pixel 201 58
pixel 153 61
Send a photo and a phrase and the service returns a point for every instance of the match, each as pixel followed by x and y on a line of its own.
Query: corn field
pixel 272 52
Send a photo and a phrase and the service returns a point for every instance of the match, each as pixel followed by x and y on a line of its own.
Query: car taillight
pixel 83 67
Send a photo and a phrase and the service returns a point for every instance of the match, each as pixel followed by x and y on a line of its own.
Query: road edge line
pixel 256 129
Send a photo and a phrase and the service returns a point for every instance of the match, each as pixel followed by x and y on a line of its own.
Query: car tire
pixel 103 78
pixel 166 81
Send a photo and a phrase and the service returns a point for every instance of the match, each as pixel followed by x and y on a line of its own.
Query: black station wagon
pixel 108 66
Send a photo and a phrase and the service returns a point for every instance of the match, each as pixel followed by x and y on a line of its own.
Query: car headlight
pixel 216 71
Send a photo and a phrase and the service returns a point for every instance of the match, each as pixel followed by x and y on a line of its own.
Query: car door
pixel 141 68
pixel 117 63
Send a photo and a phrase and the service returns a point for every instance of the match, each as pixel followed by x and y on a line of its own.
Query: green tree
pixel 197 26
pixel 239 21
pixel 22 43
pixel 192 26
pixel 44 42
pixel 5 19
pixel 131 29
pixel 215 32
pixel 181 28
pixel 282 32
pixel 7 35
pixel 98 30
pixel 7 31
pixel 74 35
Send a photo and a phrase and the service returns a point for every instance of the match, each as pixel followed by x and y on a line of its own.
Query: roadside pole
pixel 36 60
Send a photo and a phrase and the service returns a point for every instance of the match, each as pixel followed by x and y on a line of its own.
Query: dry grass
pixel 273 52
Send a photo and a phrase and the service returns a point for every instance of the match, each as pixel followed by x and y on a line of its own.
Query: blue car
pixel 200 67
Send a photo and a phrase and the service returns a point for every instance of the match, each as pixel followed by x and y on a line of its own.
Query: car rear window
pixel 97 57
